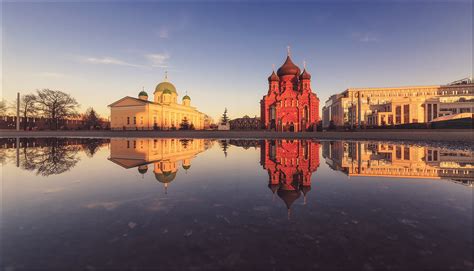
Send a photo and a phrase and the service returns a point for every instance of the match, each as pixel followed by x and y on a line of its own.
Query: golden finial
pixel 273 67
pixel 166 76
pixel 288 50
pixel 304 64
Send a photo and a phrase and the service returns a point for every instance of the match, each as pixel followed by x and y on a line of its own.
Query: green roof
pixel 165 86
pixel 186 97
pixel 165 177
pixel 143 93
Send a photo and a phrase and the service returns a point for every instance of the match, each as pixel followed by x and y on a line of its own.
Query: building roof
pixel 143 93
pixel 165 177
pixel 305 75
pixel 273 77
pixel 288 68
pixel 165 86
pixel 186 97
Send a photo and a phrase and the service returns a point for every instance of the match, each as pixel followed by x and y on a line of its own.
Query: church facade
pixel 290 104
pixel 162 113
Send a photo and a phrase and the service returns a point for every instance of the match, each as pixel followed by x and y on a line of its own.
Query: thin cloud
pixel 365 37
pixel 158 60
pixel 50 74
pixel 108 61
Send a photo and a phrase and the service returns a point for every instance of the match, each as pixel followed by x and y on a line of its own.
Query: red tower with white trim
pixel 290 104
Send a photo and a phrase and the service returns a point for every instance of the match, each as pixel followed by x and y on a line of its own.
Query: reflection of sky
pixel 224 202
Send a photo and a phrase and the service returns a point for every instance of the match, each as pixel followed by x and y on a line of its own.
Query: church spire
pixel 288 51
pixel 166 76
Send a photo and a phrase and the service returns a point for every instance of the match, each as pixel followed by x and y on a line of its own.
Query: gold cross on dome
pixel 288 50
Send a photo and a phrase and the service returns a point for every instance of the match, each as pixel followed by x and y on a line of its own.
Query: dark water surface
pixel 93 204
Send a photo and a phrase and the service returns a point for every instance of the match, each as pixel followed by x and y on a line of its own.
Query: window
pixel 398 114
pixel 429 112
pixel 406 113
pixel 406 153
pixel 398 152
pixel 128 120
pixel 134 120
pixel 128 144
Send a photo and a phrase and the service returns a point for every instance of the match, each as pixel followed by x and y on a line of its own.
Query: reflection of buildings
pixel 290 164
pixel 393 160
pixel 162 154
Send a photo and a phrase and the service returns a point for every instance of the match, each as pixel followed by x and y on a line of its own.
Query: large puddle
pixel 92 204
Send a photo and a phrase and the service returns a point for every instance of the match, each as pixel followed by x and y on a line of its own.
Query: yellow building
pixel 370 159
pixel 163 112
pixel 163 155
pixel 356 107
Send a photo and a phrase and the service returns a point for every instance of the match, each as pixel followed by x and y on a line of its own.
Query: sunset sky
pixel 221 53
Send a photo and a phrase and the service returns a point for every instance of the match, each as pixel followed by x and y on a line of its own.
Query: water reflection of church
pixel 395 160
pixel 290 164
pixel 163 155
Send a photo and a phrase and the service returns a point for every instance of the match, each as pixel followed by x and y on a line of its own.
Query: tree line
pixel 54 105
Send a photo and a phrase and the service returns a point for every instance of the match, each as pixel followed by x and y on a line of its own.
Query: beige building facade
pixel 357 107
pixel 163 112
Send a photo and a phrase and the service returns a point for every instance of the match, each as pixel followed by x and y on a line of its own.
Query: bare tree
pixel 28 107
pixel 3 107
pixel 56 105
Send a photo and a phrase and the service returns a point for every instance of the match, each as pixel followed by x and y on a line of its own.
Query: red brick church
pixel 290 104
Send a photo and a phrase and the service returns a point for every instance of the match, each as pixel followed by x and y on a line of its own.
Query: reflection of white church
pixel 164 154
pixel 164 112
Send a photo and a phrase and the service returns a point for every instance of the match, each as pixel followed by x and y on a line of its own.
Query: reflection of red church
pixel 290 104
pixel 290 164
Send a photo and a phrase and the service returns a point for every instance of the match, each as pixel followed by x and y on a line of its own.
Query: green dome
pixel 143 169
pixel 167 91
pixel 165 177
pixel 186 97
pixel 186 166
pixel 143 93
pixel 165 86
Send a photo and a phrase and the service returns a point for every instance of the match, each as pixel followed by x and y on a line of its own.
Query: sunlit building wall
pixel 164 112
pixel 357 107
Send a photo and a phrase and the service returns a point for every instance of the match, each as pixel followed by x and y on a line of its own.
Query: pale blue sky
pixel 222 53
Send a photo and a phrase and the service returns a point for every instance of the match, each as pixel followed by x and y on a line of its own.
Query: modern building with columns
pixel 163 112
pixel 357 107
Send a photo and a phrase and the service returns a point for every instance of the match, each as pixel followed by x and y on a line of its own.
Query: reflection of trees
pixel 48 156
pixel 92 145
pixel 224 145
pixel 185 143
pixel 55 157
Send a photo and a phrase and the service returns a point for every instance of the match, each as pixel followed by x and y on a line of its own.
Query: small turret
pixel 186 100
pixel 143 95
